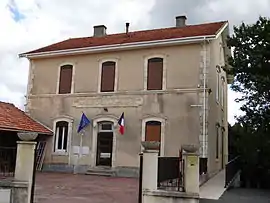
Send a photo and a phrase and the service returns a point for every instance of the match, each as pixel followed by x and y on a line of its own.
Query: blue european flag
pixel 83 123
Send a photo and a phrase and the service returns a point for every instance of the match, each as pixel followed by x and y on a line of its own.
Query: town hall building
pixel 170 83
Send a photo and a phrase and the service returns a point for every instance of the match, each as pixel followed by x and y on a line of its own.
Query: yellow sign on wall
pixel 192 160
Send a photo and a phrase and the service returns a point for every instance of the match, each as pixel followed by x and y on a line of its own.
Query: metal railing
pixel 232 168
pixel 7 161
pixel 171 173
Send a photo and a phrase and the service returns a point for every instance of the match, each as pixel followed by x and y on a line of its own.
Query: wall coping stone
pixel 13 184
pixel 174 194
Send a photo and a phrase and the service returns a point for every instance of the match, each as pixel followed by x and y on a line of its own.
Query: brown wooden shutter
pixel 108 76
pixel 65 79
pixel 155 74
pixel 153 131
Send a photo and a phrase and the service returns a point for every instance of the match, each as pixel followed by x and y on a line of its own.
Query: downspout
pixel 204 95
pixel 29 84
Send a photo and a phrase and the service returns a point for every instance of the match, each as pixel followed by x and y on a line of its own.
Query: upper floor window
pixel 65 81
pixel 61 136
pixel 108 77
pixel 155 74
pixel 218 84
pixel 222 91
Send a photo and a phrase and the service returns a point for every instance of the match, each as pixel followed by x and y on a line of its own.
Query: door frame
pixel 94 139
pixel 110 148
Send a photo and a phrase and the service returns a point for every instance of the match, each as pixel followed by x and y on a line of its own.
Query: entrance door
pixel 104 145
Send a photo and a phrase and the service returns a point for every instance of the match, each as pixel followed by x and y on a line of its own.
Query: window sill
pixel 60 153
pixel 107 92
pixel 65 93
pixel 154 90
pixel 124 92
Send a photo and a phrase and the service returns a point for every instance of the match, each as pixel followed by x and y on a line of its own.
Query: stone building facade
pixel 170 83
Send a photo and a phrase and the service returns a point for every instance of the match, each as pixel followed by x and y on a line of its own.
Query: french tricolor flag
pixel 121 124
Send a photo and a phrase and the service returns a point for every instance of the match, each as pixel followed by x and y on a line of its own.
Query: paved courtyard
pixel 68 188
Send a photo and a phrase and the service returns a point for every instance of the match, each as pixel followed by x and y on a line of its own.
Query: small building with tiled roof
pixel 14 119
pixel 170 83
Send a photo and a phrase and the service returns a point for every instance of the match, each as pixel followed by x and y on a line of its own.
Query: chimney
pixel 99 30
pixel 127 28
pixel 180 21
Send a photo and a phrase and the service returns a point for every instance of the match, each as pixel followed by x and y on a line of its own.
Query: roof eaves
pixel 23 130
pixel 120 46
pixel 221 29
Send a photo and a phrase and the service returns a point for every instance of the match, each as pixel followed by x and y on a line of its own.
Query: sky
pixel 30 24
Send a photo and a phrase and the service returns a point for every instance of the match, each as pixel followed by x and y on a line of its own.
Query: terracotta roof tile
pixel 12 118
pixel 138 36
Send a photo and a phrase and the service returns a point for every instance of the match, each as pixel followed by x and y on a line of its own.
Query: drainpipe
pixel 204 91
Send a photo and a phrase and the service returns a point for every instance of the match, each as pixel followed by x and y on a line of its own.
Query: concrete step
pixel 101 171
pixel 98 174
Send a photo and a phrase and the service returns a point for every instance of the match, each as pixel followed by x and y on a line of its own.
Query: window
pixel 108 77
pixel 217 141
pixel 65 81
pixel 61 136
pixel 153 131
pixel 155 74
pixel 105 127
pixel 218 84
pixel 217 88
pixel 222 91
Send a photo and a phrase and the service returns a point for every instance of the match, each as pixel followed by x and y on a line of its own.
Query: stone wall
pixel 13 191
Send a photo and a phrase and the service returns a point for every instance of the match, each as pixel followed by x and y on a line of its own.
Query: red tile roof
pixel 138 36
pixel 12 118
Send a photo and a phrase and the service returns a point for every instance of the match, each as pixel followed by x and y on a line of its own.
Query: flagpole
pixel 83 123
pixel 81 144
pixel 80 152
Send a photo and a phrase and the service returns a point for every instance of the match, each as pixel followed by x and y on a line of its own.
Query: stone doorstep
pixel 101 171
pixel 120 171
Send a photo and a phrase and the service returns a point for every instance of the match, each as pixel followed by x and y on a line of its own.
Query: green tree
pixel 251 69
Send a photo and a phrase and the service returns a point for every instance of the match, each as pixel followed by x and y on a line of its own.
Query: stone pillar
pixel 25 160
pixel 191 171
pixel 150 169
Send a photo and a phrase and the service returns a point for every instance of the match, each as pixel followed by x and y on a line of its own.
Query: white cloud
pixel 49 21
